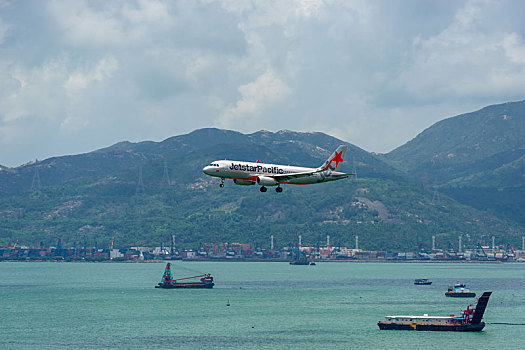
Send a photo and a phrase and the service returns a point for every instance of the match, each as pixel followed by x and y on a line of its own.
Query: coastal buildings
pixel 244 251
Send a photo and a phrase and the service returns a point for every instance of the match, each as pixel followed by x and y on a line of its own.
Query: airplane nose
pixel 207 170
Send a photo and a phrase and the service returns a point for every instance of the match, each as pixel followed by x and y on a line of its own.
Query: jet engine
pixel 267 181
pixel 243 182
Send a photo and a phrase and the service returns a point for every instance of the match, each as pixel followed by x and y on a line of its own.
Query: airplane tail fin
pixel 335 161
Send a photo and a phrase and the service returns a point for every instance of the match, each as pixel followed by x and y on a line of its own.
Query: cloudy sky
pixel 76 76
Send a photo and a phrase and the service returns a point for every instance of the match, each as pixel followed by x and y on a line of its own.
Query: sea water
pixel 271 305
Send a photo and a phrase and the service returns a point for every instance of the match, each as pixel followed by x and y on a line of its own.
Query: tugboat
pixel 468 321
pixel 459 290
pixel 422 281
pixel 167 281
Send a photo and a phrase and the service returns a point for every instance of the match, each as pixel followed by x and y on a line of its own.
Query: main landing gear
pixel 222 183
pixel 279 189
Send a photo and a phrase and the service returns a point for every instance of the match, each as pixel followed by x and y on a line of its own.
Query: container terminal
pixel 297 253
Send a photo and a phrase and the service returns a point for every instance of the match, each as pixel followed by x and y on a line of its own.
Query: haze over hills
pixel 95 196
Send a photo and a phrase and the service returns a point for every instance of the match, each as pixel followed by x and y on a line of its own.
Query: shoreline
pixel 262 260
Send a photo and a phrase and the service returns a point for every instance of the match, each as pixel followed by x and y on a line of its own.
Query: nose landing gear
pixel 221 185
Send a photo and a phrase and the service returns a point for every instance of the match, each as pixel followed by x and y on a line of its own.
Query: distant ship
pixel 459 290
pixel 422 281
pixel 300 261
pixel 206 281
pixel 468 321
pixel 298 257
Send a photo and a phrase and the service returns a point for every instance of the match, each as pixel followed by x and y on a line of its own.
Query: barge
pixel 422 282
pixel 206 281
pixel 468 321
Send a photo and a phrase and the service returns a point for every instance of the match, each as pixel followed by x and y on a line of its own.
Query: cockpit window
pixel 215 165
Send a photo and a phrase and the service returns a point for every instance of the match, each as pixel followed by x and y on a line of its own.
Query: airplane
pixel 250 173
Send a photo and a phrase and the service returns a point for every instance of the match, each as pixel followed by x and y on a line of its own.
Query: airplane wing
pixel 287 177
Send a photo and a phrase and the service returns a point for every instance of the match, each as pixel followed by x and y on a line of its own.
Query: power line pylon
pixel 35 185
pixel 140 185
pixel 166 175
pixel 435 197
pixel 354 170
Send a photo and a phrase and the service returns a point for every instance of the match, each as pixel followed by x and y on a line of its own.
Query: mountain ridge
pixel 465 140
pixel 478 158
pixel 95 196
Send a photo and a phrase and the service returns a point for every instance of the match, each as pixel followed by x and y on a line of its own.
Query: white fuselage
pixel 250 171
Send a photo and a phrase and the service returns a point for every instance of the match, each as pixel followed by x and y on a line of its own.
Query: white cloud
pixel 514 48
pixel 3 30
pixel 82 25
pixel 469 58
pixel 308 8
pixel 78 75
pixel 103 70
pixel 255 97
pixel 147 11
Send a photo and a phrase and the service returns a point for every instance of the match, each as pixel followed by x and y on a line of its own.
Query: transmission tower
pixel 166 175
pixel 140 185
pixel 354 169
pixel 35 185
pixel 435 197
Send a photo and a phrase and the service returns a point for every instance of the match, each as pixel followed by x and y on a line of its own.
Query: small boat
pixel 300 261
pixel 206 281
pixel 459 290
pixel 468 321
pixel 422 281
pixel 312 263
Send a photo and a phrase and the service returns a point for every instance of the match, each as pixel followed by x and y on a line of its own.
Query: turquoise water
pixel 273 306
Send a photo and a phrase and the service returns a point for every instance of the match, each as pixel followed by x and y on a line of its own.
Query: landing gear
pixel 221 185
pixel 263 189
pixel 279 189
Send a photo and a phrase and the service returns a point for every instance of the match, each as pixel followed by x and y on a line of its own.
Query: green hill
pixel 93 197
pixel 463 150
pixel 477 158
